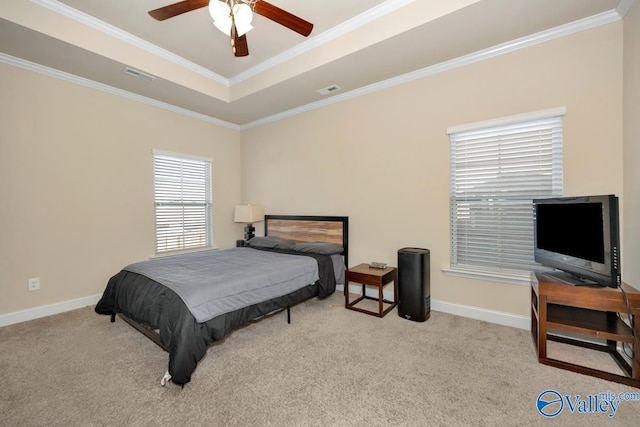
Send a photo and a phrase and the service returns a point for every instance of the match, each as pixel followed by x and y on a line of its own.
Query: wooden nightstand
pixel 369 276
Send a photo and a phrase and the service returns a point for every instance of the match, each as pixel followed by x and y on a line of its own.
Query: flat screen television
pixel 580 237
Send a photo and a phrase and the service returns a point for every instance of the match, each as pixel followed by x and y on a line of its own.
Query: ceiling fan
pixel 233 18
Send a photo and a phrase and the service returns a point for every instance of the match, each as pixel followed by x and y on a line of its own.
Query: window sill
pixel 513 278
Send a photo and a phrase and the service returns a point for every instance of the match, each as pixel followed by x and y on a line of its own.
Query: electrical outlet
pixel 34 284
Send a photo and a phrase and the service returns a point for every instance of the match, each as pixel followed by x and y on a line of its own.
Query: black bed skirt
pixel 160 309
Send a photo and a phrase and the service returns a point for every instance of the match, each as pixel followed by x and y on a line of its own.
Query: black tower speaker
pixel 414 284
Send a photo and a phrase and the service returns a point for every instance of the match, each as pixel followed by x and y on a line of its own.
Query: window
pixel 497 168
pixel 182 196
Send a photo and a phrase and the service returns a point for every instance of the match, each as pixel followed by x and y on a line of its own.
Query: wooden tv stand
pixel 588 311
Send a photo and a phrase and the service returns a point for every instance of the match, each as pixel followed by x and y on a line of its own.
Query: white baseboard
pixel 498 317
pixel 47 310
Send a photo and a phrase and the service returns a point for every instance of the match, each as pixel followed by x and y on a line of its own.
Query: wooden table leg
pixel 395 291
pixel 542 327
pixel 635 367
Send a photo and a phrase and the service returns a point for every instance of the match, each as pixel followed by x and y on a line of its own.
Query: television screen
pixel 572 229
pixel 578 236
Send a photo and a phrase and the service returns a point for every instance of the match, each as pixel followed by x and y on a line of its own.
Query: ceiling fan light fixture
pixel 223 25
pixel 221 14
pixel 243 29
pixel 219 10
pixel 233 17
pixel 228 13
pixel 242 15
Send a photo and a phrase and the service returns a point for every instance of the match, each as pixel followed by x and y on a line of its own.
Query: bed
pixel 186 302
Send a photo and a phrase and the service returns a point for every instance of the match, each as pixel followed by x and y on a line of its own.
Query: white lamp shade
pixel 224 25
pixel 219 10
pixel 242 15
pixel 221 14
pixel 243 29
pixel 224 17
pixel 248 214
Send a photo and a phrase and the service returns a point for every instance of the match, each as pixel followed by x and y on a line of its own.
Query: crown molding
pixel 115 32
pixel 501 49
pixel 623 7
pixel 316 41
pixel 372 14
pixel 71 78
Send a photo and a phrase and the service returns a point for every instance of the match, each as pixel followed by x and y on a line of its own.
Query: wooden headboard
pixel 332 229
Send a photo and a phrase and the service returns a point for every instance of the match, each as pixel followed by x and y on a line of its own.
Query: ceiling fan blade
pixel 176 9
pixel 239 43
pixel 283 17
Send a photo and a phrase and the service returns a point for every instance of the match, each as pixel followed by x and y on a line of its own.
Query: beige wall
pixel 76 184
pixel 383 159
pixel 631 247
pixel 76 170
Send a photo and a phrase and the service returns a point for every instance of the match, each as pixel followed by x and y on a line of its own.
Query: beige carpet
pixel 330 367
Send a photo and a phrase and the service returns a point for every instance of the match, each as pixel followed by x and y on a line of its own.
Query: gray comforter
pixel 155 305
pixel 216 282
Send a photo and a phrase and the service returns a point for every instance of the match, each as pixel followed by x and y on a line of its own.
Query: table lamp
pixel 248 214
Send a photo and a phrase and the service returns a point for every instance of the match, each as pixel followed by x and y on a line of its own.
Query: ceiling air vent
pixel 139 74
pixel 329 89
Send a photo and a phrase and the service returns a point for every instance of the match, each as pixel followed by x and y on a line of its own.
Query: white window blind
pixel 182 194
pixel 496 171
